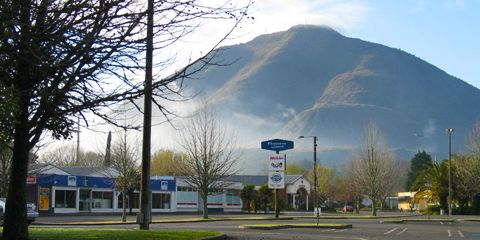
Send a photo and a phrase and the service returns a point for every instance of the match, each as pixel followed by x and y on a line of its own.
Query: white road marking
pixel 329 230
pixel 441 223
pixel 342 230
pixel 405 229
pixel 391 230
pixel 449 233
pixel 460 233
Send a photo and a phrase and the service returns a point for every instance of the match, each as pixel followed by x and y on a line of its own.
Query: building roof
pixel 76 171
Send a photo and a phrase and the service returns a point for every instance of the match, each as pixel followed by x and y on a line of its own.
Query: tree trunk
pixel 374 208
pixel 130 197
pixel 248 206
pixel 15 225
pixel 205 206
pixel 357 204
pixel 265 205
pixel 124 205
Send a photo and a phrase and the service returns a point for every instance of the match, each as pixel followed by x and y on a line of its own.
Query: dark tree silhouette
pixel 63 59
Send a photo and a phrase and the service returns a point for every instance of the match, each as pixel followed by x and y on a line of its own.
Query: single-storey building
pixel 59 189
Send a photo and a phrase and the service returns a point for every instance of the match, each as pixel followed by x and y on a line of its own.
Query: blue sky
pixel 445 33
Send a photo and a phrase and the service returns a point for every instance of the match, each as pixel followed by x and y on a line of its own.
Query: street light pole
pixel 449 131
pixel 315 181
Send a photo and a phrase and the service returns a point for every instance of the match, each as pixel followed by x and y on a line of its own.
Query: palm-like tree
pixel 432 183
pixel 248 195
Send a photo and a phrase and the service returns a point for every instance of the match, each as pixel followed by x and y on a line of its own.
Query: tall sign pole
pixel 277 166
pixel 449 131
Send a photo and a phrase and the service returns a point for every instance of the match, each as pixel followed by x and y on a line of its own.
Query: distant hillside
pixel 312 80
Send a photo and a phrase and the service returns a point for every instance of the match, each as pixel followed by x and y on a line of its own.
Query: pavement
pixel 366 228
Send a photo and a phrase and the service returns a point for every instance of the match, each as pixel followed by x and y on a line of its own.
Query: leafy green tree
pixel 466 178
pixel 168 163
pixel 418 163
pixel 295 169
pixel 432 183
pixel 248 195
pixel 265 195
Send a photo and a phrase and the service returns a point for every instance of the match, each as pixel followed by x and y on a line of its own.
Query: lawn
pixel 115 234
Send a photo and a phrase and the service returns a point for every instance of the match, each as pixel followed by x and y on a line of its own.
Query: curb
pixel 418 220
pixel 273 227
pixel 222 236
pixel 356 217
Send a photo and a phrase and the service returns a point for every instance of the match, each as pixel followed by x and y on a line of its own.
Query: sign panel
pixel 31 179
pixel 44 199
pixel 276 163
pixel 277 145
pixel 276 180
pixel 164 185
pixel 72 181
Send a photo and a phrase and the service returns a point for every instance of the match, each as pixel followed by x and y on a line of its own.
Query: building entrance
pixel 85 200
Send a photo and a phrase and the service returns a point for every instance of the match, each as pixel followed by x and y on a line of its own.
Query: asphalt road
pixel 362 229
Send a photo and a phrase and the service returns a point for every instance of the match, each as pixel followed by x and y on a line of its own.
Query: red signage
pixel 31 179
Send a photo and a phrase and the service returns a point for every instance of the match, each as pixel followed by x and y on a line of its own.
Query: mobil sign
pixel 276 163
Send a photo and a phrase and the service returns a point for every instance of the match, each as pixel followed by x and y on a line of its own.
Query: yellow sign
pixel 44 199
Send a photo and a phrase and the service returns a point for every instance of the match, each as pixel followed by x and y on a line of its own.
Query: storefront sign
pixel 31 179
pixel 164 185
pixel 44 199
pixel 72 181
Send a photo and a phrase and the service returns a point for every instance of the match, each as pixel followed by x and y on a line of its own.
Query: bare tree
pixel 210 156
pixel 65 155
pixel 467 180
pixel 374 167
pixel 125 158
pixel 61 59
pixel 472 142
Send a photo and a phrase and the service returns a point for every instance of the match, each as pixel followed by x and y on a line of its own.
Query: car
pixel 32 213
pixel 348 208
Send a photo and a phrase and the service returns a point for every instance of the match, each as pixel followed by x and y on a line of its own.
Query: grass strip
pixel 116 234
pixel 470 219
pixel 300 225
pixel 186 220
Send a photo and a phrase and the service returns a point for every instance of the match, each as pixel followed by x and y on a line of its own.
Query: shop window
pixel 102 199
pixel 65 198
pixel 161 200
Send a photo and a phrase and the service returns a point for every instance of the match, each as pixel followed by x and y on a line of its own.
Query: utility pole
pixel 144 217
pixel 450 131
pixel 315 180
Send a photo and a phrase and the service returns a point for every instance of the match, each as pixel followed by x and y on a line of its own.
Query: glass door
pixel 85 200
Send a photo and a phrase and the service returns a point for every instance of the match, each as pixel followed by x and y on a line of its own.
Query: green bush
pixel 433 210
pixel 465 210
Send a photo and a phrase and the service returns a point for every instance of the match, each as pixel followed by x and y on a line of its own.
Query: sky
pixel 445 33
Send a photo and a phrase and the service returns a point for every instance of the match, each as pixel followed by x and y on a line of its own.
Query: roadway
pixel 362 229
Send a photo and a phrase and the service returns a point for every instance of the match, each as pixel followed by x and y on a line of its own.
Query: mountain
pixel 311 80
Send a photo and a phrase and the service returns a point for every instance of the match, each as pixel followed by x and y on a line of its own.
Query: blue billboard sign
pixel 277 145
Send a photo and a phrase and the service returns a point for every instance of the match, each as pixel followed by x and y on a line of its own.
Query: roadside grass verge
pixel 470 219
pixel 115 234
pixel 300 225
pixel 181 220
